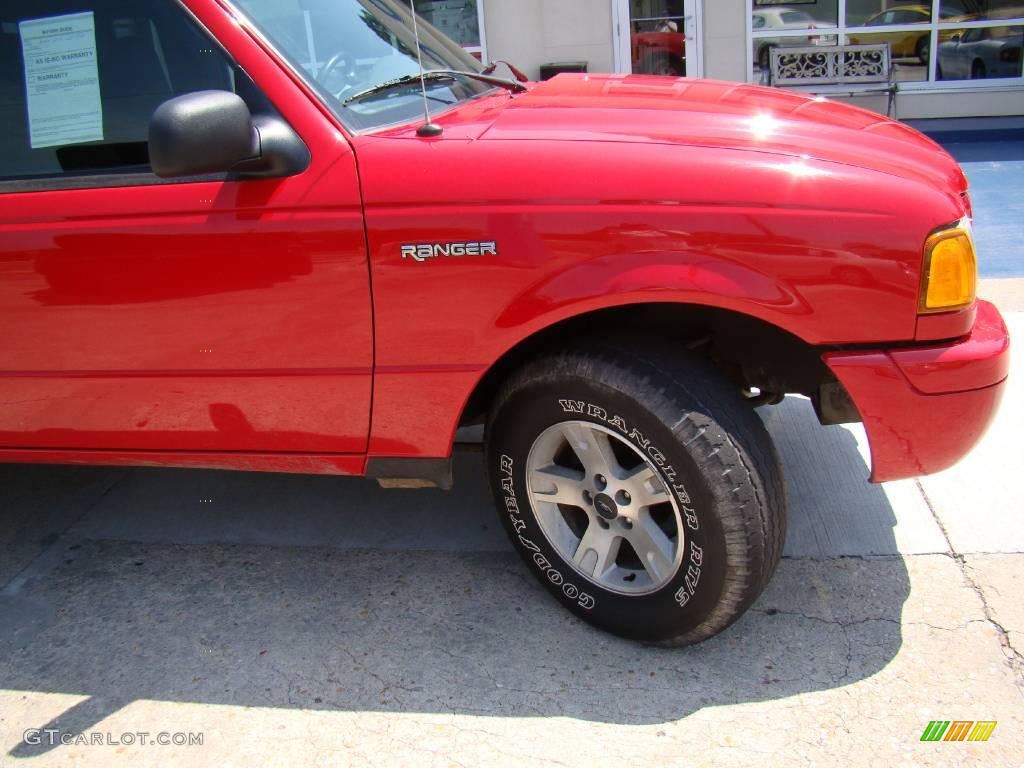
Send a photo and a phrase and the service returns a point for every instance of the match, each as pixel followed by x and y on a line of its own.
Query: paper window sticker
pixel 62 82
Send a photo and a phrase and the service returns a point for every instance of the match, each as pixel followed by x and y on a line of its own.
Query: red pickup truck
pixel 229 238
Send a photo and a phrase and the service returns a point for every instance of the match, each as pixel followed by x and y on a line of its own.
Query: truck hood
pixel 709 113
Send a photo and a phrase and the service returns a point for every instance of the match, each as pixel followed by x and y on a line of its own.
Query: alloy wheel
pixel 605 508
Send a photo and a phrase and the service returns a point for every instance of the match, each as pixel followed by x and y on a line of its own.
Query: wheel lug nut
pixel 623 498
pixel 601 482
pixel 603 523
pixel 588 497
pixel 626 523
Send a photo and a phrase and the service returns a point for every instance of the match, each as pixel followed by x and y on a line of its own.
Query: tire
pixel 713 489
pixel 978 70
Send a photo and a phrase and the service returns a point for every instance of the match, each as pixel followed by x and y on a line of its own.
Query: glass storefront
pixel 930 41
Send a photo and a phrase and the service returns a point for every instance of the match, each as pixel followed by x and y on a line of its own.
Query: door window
pixel 80 79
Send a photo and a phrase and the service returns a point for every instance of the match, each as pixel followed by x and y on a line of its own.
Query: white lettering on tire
pixel 569 589
pixel 693 571
pixel 645 446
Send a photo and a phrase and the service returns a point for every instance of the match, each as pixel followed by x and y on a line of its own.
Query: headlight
pixel 950 275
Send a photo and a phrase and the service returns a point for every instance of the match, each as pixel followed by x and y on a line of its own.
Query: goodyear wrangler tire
pixel 645 495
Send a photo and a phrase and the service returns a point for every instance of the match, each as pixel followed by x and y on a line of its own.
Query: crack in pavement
pixel 868 620
pixel 1014 658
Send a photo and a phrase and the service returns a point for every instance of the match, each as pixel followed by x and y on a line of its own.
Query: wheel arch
pixel 751 351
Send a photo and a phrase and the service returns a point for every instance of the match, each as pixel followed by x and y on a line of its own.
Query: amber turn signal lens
pixel 950 271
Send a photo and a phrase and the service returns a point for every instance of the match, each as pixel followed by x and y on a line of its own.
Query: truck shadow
pixel 327 593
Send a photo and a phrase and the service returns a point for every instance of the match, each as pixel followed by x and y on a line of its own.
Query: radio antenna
pixel 428 129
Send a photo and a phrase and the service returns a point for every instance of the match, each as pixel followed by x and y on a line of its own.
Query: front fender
pixel 628 278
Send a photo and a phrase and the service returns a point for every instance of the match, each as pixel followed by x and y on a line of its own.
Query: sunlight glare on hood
pixel 763 126
pixel 800 168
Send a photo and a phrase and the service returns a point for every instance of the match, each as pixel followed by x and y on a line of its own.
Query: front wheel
pixel 644 494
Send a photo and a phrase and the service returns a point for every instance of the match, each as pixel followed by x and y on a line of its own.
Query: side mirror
pixel 213 132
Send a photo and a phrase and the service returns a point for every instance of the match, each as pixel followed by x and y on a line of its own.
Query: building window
pixel 933 42
pixel 461 20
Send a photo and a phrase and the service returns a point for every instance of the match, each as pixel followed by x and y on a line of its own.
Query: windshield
pixel 346 47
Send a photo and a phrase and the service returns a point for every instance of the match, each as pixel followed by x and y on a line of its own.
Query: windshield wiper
pixel 434 74
pixel 511 68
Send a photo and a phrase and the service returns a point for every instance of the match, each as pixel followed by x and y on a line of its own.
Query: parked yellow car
pixel 907 44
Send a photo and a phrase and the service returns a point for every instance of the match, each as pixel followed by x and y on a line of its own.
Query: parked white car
pixel 784 17
pixel 982 53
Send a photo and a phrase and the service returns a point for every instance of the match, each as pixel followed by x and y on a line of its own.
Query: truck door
pixel 139 313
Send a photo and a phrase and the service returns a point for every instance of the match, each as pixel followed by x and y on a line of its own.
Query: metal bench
pixel 835 70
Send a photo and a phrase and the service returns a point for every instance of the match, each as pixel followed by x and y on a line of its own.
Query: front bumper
pixel 924 408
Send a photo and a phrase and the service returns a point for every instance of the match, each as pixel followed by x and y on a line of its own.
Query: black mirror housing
pixel 281 151
pixel 201 132
pixel 214 132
